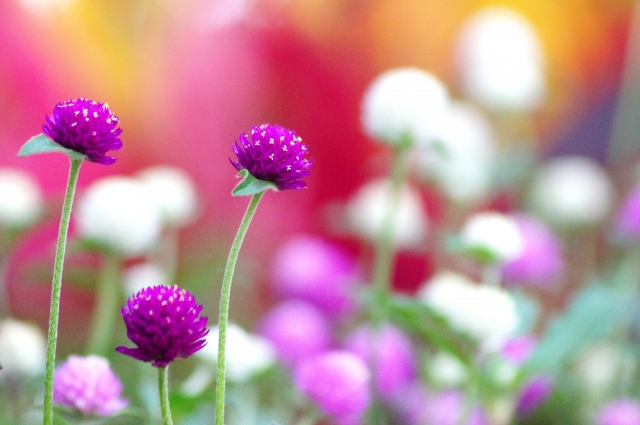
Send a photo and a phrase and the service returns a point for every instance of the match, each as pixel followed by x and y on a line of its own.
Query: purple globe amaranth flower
pixel 627 221
pixel 519 349
pixel 623 411
pixel 88 385
pixel 297 330
pixel 312 269
pixel 535 391
pixel 274 154
pixel 540 263
pixel 338 383
pixel 85 126
pixel 392 353
pixel 164 323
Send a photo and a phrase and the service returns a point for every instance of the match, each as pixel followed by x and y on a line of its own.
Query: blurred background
pixel 187 77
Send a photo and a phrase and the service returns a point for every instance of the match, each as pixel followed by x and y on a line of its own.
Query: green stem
pixel 224 303
pixel 106 307
pixel 54 312
pixel 163 388
pixel 383 266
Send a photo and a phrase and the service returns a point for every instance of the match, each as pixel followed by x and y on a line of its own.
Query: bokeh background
pixel 186 77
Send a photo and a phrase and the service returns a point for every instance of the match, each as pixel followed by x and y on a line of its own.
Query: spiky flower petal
pixel 88 385
pixel 85 126
pixel 275 154
pixel 164 323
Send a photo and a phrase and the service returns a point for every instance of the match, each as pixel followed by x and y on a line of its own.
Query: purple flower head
pixel 627 222
pixel 540 263
pixel 297 330
pixel 519 349
pixel 338 383
pixel 624 411
pixel 312 269
pixel 88 385
pixel 392 353
pixel 85 126
pixel 534 393
pixel 446 409
pixel 275 154
pixel 164 323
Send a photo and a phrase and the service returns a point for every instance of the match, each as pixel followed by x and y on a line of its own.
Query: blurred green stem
pixel 383 266
pixel 224 303
pixel 163 388
pixel 105 309
pixel 54 312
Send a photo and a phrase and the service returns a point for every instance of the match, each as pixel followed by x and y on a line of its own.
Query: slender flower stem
pixel 54 312
pixel 105 311
pixel 224 303
pixel 383 267
pixel 163 388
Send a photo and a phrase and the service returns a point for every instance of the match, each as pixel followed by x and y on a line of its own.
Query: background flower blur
pixel 553 142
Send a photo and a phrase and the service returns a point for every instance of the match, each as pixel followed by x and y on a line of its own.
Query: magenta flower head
pixel 85 126
pixel 623 411
pixel 274 154
pixel 627 220
pixel 535 392
pixel 89 386
pixel 297 330
pixel 164 323
pixel 338 383
pixel 391 351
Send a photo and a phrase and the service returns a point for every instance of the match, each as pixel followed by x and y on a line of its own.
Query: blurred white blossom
pixel 572 191
pixel 404 103
pixel 20 198
pixel 143 275
pixel 461 165
pixel 119 214
pixel 367 209
pixel 487 313
pixel 494 235
pixel 446 371
pixel 174 192
pixel 501 60
pixel 22 349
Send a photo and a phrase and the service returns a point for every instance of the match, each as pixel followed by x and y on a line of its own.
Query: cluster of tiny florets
pixel 85 126
pixel 275 154
pixel 164 323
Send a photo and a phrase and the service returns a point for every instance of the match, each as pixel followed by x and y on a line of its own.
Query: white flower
pixel 447 371
pixel 247 355
pixel 461 165
pixel 22 349
pixel 143 275
pixel 484 312
pixel 404 102
pixel 603 367
pixel 174 192
pixel 20 198
pixel 366 211
pixel 501 60
pixel 572 191
pixel 119 213
pixel 493 234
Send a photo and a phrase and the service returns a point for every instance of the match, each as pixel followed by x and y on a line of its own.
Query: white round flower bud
pixel 572 191
pixel 493 236
pixel 404 103
pixel 447 371
pixel 501 60
pixel 119 214
pixel 143 275
pixel 461 164
pixel 486 313
pixel 366 212
pixel 174 192
pixel 22 349
pixel 20 198
pixel 247 356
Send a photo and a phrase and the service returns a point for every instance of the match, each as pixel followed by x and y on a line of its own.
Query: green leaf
pixel 42 144
pixel 251 185
pixel 595 313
